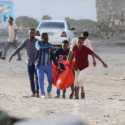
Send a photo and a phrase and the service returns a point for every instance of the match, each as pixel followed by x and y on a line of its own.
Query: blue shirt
pixel 45 53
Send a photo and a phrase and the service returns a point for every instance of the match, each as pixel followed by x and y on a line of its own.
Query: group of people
pixel 41 55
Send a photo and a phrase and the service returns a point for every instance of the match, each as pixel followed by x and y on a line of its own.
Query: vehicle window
pixel 59 25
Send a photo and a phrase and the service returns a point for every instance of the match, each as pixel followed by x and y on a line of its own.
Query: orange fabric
pixel 64 79
pixel 54 74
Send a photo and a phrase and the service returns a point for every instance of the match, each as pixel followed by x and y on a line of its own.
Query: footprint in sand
pixel 121 100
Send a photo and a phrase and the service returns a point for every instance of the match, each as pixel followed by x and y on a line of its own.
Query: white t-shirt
pixel 12 33
pixel 38 38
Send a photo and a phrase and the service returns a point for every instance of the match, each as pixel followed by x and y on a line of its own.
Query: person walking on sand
pixel 12 39
pixel 29 45
pixel 84 36
pixel 86 42
pixel 80 54
pixel 62 54
pixel 44 61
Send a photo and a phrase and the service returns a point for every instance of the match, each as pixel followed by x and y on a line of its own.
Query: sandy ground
pixel 105 91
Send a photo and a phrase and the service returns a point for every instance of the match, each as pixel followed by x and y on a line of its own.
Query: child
pixel 80 54
pixel 84 36
pixel 86 42
pixel 61 55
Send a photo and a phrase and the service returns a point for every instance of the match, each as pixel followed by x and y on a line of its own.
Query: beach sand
pixel 105 91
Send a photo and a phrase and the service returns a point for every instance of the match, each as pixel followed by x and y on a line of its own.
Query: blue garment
pixel 40 72
pixel 45 53
pixel 44 60
pixel 43 45
pixel 58 92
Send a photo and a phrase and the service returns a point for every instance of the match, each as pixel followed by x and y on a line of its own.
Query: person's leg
pixel 15 45
pixel 77 92
pixel 82 92
pixel 31 78
pixel 64 93
pixel 72 91
pixel 76 84
pixel 82 80
pixel 36 82
pixel 40 74
pixel 58 93
pixel 49 77
pixel 5 50
pixel 72 88
pixel 0 53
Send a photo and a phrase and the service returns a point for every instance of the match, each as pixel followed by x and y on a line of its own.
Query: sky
pixel 57 9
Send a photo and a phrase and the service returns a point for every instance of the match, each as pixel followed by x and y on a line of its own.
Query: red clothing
pixel 81 57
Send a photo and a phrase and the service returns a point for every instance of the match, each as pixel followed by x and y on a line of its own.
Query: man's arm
pixel 53 57
pixel 37 55
pixel 99 58
pixel 89 45
pixel 17 50
pixel 70 56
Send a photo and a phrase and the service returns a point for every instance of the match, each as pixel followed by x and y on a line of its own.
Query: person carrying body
pixel 80 53
pixel 29 45
pixel 44 61
pixel 61 55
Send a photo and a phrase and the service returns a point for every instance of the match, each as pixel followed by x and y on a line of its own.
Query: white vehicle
pixel 58 30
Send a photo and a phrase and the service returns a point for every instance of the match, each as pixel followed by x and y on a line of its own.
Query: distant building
pixel 111 11
pixel 6 10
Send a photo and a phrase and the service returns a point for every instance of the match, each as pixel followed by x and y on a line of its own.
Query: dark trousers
pixel 64 91
pixel 33 79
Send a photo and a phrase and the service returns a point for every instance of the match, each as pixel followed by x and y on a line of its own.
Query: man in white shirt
pixel 12 38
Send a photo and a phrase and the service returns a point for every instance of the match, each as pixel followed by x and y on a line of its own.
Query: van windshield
pixel 59 25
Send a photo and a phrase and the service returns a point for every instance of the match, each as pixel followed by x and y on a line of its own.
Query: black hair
pixel 38 32
pixel 80 38
pixel 11 18
pixel 32 29
pixel 85 33
pixel 65 42
pixel 44 34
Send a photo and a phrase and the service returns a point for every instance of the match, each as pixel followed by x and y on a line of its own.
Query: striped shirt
pixel 45 53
